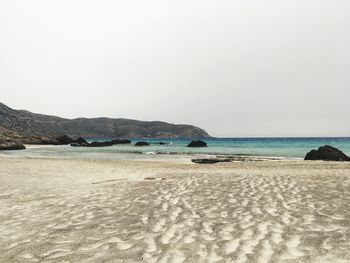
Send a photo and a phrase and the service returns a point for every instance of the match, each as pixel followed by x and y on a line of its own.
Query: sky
pixel 237 68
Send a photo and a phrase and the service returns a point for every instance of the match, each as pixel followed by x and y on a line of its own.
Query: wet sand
pixel 55 210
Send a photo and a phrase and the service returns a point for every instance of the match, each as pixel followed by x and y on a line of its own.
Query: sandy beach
pixel 56 210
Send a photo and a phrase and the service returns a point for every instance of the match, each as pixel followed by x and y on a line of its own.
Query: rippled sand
pixel 124 211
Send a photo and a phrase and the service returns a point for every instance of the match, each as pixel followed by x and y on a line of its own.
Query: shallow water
pixel 176 148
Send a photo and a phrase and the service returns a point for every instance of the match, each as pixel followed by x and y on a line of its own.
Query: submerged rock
pixel 327 153
pixel 198 143
pixel 142 144
pixel 211 160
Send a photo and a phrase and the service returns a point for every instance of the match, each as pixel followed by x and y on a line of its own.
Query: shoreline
pixel 180 158
pixel 125 155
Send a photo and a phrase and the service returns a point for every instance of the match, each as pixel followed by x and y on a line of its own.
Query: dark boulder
pixel 327 153
pixel 198 143
pixel 142 144
pixel 9 145
pixel 75 144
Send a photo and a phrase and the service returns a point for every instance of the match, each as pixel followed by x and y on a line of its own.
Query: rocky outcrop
pixel 43 140
pixel 7 135
pixel 31 124
pixel 82 142
pixel 327 153
pixel 142 144
pixel 198 143
pixel 9 145
pixel 63 140
pixel 10 140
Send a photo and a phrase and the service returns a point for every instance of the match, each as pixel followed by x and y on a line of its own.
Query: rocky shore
pixel 11 140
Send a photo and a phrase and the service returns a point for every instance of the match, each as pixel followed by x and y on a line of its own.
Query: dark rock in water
pixel 198 143
pixel 142 144
pixel 121 141
pixel 211 160
pixel 75 144
pixel 8 145
pixel 327 153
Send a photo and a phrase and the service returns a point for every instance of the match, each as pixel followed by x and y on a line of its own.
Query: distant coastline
pixel 26 123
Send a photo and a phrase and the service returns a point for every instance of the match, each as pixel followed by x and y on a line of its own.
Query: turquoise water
pixel 271 147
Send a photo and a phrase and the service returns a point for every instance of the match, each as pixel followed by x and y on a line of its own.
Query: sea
pixel 287 148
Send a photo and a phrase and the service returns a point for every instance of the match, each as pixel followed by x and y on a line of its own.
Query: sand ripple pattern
pixel 277 212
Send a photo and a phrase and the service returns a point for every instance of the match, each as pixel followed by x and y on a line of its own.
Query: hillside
pixel 29 124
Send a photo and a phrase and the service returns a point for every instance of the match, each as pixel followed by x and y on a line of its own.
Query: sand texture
pixel 136 211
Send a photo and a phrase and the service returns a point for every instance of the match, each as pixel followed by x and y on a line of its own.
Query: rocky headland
pixel 33 125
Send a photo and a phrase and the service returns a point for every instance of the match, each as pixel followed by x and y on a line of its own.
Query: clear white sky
pixel 234 68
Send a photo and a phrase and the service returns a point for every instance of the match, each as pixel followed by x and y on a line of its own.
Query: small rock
pixel 198 143
pixel 142 144
pixel 150 178
pixel 210 160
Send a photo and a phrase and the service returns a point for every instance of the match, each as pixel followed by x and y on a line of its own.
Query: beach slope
pixel 56 210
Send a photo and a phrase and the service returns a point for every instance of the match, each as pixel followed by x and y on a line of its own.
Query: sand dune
pixel 99 211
